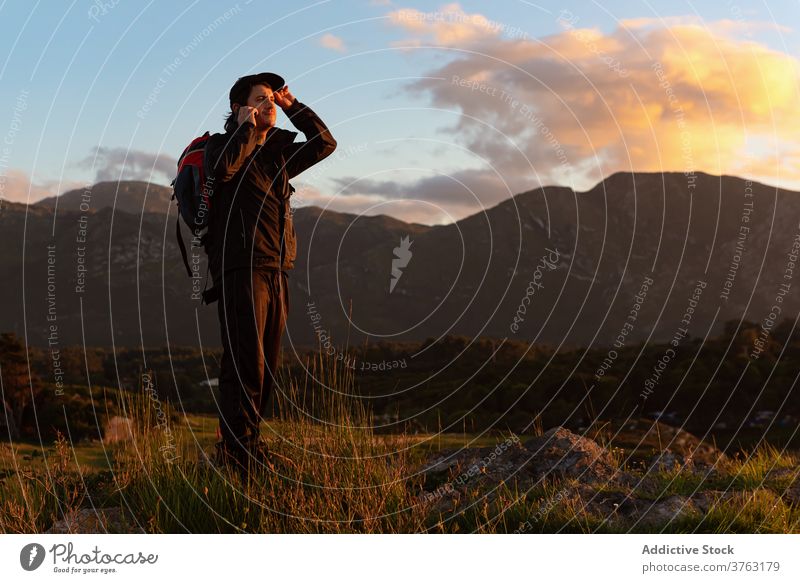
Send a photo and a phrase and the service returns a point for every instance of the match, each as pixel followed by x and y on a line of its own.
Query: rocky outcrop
pixel 118 429
pixel 561 453
pixel 558 453
pixel 667 461
pixel 588 477
pixel 91 521
pixel 640 435
pixel 628 512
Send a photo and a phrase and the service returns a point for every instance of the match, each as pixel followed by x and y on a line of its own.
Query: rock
pixel 668 461
pixel 706 501
pixel 644 434
pixel 586 479
pixel 791 493
pixel 89 521
pixel 118 429
pixel 659 513
pixel 442 501
pixel 453 470
pixel 785 482
pixel 564 454
pixel 610 505
pixel 558 454
pixel 780 473
pixel 626 511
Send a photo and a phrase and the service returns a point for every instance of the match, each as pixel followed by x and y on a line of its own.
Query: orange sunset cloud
pixel 580 104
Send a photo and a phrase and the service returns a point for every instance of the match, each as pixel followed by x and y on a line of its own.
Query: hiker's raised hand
pixel 247 113
pixel 283 97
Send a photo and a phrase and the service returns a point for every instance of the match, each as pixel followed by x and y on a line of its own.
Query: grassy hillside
pixel 333 474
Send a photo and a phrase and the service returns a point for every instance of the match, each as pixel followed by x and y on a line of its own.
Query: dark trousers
pixel 253 308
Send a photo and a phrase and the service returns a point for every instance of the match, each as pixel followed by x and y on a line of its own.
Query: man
pixel 251 245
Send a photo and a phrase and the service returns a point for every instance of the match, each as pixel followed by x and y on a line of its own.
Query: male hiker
pixel 251 246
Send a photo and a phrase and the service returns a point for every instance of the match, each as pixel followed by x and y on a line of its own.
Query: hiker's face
pixel 261 98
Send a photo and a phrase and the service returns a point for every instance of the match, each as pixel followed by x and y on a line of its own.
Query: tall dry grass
pixel 333 474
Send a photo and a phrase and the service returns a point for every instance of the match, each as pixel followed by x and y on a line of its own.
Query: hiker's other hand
pixel 283 97
pixel 247 113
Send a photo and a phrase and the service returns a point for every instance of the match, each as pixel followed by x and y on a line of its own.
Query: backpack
pixel 193 189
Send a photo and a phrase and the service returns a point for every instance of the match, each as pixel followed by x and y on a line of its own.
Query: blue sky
pixel 140 79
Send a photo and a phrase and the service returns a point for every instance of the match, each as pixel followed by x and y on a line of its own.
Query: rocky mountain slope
pixel 549 265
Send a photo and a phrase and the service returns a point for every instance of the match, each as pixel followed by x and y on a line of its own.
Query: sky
pixel 440 110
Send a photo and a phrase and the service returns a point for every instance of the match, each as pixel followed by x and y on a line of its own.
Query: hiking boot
pixel 260 456
pixel 263 454
pixel 230 457
pixel 245 459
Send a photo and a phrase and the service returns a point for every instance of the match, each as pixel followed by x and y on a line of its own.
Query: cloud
pixel 429 201
pixel 449 26
pixel 123 164
pixel 333 42
pixel 464 187
pixel 578 105
pixel 729 27
pixel 307 195
pixel 16 186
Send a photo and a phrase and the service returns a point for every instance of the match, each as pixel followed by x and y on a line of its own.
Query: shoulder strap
pixel 182 245
pixel 284 208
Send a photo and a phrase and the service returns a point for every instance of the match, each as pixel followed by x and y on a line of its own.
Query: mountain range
pixel 639 256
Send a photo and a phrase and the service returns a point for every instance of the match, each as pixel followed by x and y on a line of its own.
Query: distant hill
pixel 130 196
pixel 472 277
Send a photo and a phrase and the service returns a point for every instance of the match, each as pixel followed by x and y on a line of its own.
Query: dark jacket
pixel 251 192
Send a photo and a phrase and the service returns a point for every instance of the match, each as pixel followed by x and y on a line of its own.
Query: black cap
pixel 243 85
